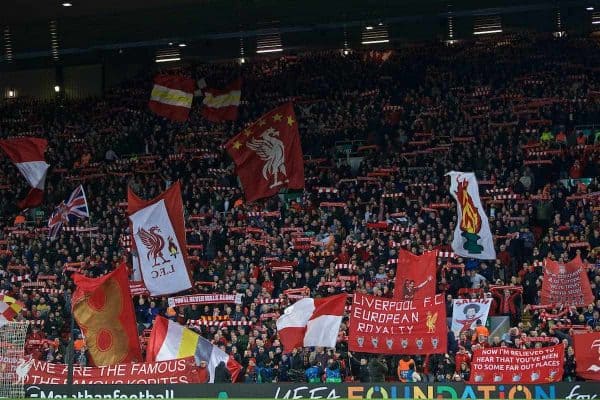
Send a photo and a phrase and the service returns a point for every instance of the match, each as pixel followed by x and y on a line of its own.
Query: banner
pixel 472 236
pixel 465 314
pixel 301 390
pixel 566 284
pixel 379 325
pixel 506 365
pixel 587 354
pixel 415 275
pixel 205 299
pixel 36 372
pixel 158 234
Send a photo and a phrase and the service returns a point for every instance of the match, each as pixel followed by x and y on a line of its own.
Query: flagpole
pixel 89 221
pixel 70 353
pixel 91 240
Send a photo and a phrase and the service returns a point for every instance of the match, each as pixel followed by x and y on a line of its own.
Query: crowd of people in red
pixel 379 131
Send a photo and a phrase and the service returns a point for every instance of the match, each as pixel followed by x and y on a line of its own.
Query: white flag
pixel 472 236
pixel 160 254
pixel 465 314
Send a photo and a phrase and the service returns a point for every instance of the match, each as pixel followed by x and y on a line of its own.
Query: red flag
pixel 172 96
pixel 415 275
pixel 28 156
pixel 587 354
pixel 159 238
pixel 380 325
pixel 311 322
pixel 566 284
pixel 103 309
pixel 268 154
pixel 222 105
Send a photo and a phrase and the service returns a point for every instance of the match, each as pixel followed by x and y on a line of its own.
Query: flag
pixel 415 275
pixel 587 354
pixel 268 154
pixel 28 156
pixel 103 310
pixel 159 240
pixel 170 341
pixel 465 314
pixel 566 283
pixel 472 235
pixel 75 208
pixel 311 322
pixel 9 309
pixel 172 96
pixel 222 105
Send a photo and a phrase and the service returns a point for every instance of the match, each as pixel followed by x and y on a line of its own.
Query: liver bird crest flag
pixel 158 235
pixel 472 235
pixel 268 154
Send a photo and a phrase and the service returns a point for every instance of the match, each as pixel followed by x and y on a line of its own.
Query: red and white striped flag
pixel 172 96
pixel 312 322
pixel 27 154
pixel 222 105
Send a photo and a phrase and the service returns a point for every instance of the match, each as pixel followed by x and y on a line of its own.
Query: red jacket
pixel 460 357
pixel 203 375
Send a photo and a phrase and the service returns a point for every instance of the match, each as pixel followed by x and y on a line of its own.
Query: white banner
pixel 472 236
pixel 159 252
pixel 215 298
pixel 465 314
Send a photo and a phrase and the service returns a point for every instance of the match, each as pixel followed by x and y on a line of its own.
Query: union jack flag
pixel 75 208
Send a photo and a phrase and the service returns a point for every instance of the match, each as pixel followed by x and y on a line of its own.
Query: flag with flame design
pixel 472 235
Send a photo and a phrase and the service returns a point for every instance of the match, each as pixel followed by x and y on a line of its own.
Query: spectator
pixel 314 372
pixel 377 369
pixel 203 374
pixel 332 372
pixel 405 364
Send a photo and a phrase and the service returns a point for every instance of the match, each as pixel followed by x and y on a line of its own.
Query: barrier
pixel 560 390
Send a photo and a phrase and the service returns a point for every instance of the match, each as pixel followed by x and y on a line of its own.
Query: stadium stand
pixel 380 132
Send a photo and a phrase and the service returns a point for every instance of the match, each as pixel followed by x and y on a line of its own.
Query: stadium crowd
pixel 379 130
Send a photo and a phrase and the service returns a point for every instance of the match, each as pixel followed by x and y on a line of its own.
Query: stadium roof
pixel 216 29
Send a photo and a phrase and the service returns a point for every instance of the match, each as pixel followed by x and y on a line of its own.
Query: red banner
pixel 182 370
pixel 506 365
pixel 415 275
pixel 380 325
pixel 566 284
pixel 587 354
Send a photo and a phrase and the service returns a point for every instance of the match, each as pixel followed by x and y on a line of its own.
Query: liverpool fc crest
pixel 272 151
pixel 154 243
